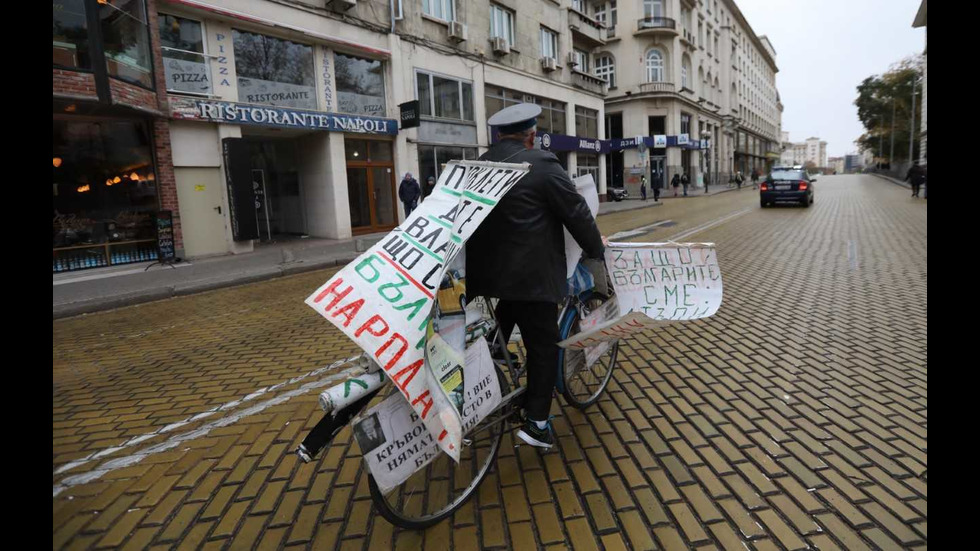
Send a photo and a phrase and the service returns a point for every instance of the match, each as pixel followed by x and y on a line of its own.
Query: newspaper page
pixel 655 284
pixel 393 439
pixel 383 299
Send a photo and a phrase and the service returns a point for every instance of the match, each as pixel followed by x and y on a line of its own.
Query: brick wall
pixel 74 83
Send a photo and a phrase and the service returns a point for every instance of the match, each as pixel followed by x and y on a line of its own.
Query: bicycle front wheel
pixel 584 382
pixel 436 491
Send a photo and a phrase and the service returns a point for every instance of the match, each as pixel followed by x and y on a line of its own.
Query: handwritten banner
pixel 383 299
pixel 393 438
pixel 656 284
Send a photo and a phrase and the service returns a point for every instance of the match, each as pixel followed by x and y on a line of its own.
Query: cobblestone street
pixel 794 418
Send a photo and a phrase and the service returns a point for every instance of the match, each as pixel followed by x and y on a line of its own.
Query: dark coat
pixel 518 252
pixel 409 191
pixel 916 174
pixel 676 180
pixel 427 189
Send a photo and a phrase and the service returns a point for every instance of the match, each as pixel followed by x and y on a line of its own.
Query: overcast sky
pixel 824 49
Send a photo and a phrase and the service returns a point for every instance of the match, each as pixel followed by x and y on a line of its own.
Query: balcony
pixel 586 30
pixel 588 82
pixel 658 88
pixel 687 39
pixel 656 25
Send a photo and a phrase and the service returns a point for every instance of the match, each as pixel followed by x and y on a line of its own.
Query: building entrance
pixel 276 186
pixel 371 185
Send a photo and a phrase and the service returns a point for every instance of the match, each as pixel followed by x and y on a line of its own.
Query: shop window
pixel 184 63
pixel 70 35
pixel 586 123
pixel 105 194
pixel 126 39
pixel 273 71
pixel 360 85
pixel 433 159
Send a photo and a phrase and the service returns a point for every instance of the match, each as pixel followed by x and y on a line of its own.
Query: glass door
pixel 371 185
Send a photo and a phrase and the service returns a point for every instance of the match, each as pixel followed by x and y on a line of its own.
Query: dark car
pixel 618 193
pixel 787 184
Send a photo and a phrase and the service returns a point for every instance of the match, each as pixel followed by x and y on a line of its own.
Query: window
pixel 588 163
pixel 655 66
pixel 586 122
pixel 549 43
pixel 126 39
pixel 685 123
pixel 606 70
pixel 685 70
pixel 580 6
pixel 104 192
pixel 581 58
pixel 501 23
pixel 445 97
pixel 551 119
pixel 432 159
pixel 273 71
pixel 70 35
pixel 440 9
pixel 653 9
pixel 184 64
pixel 360 85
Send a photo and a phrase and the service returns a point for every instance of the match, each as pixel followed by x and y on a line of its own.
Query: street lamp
pixel 912 117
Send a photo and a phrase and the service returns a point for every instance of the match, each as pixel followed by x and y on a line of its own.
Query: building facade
pixel 285 116
pixel 111 161
pixel 695 82
pixel 812 150
pixel 920 21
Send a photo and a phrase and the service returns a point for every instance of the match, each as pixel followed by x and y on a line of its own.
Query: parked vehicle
pixel 618 193
pixel 787 184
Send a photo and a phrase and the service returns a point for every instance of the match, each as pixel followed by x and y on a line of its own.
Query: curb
pixel 892 180
pixel 92 306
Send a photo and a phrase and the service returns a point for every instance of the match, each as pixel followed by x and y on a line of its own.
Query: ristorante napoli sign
pixel 237 113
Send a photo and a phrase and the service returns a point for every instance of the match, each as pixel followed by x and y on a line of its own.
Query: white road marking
pixel 113 274
pixel 173 442
pixel 711 224
pixel 224 407
pixel 637 231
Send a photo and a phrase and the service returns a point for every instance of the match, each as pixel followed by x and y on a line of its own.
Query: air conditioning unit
pixel 572 60
pixel 500 45
pixel 341 5
pixel 549 63
pixel 457 31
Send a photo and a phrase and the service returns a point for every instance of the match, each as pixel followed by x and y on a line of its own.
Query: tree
pixel 878 95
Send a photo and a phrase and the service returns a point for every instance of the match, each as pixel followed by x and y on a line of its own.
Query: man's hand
pixel 605 240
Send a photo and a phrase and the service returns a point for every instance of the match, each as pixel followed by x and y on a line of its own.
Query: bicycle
pixel 439 489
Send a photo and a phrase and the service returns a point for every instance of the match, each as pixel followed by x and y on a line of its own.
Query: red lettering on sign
pixel 408 372
pixel 398 355
pixel 369 327
pixel 349 311
pixel 444 434
pixel 332 290
pixel 424 398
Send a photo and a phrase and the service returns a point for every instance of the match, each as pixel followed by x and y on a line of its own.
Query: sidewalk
pixel 896 181
pixel 95 290
pixel 89 291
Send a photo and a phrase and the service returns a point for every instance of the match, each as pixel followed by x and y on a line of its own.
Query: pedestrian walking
pixel 916 176
pixel 658 182
pixel 739 179
pixel 518 256
pixel 755 178
pixel 409 193
pixel 430 184
pixel 706 180
pixel 675 182
pixel 643 188
pixel 685 181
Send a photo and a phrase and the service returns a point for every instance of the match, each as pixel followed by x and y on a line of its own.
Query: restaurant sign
pixel 237 113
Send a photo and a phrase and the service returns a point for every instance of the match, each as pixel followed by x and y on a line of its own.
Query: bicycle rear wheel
pixel 582 383
pixel 440 488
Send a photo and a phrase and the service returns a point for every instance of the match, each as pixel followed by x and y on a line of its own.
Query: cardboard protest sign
pixel 393 438
pixel 585 186
pixel 655 284
pixel 383 299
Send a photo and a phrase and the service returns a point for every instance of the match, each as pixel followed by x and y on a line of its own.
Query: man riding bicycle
pixel 517 255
